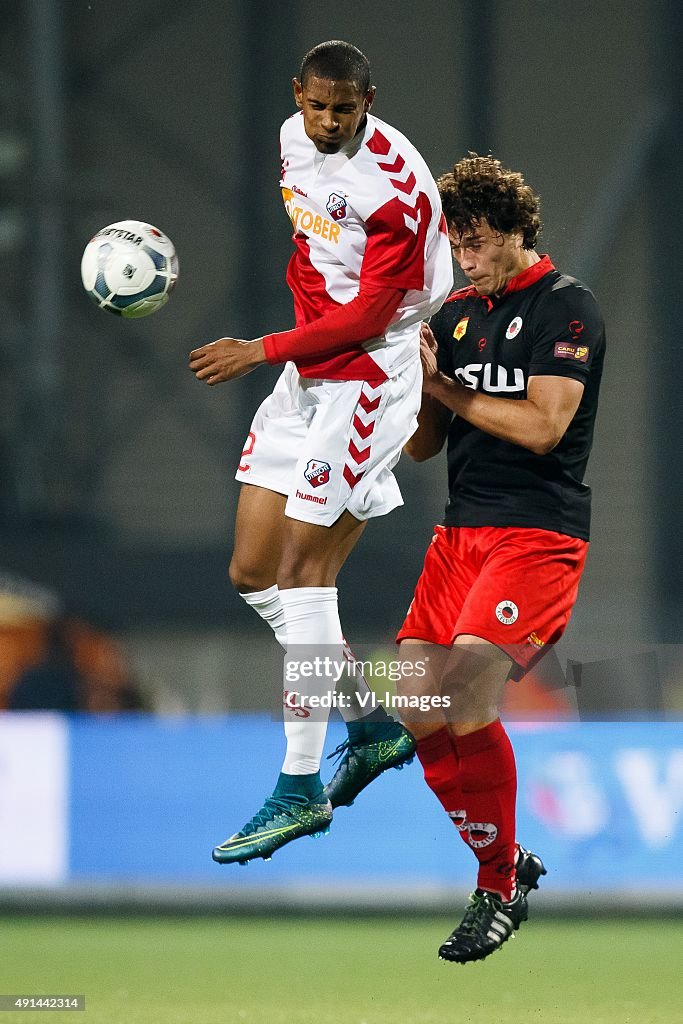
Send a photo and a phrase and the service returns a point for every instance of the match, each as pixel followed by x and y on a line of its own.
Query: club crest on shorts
pixel 317 473
pixel 507 612
pixel 336 207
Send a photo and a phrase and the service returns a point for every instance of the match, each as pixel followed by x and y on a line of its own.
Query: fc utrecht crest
pixel 317 473
pixel 336 207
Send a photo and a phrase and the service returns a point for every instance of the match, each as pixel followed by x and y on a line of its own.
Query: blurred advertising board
pixel 135 800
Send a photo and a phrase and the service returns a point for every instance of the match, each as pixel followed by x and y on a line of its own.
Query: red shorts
pixel 513 586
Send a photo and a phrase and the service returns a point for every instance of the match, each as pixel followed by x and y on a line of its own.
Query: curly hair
pixel 480 188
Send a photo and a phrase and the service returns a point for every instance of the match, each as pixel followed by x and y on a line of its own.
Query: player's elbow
pixel 546 440
pixel 540 449
pixel 416 454
pixel 420 450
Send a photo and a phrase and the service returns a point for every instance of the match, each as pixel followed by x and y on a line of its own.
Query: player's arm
pixel 365 317
pixel 537 422
pixel 433 421
pixel 393 263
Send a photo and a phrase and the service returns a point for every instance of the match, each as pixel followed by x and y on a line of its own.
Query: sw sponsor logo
pixel 490 377
pixel 564 350
pixel 535 640
pixel 459 331
pixel 336 206
pixel 317 473
pixel 307 223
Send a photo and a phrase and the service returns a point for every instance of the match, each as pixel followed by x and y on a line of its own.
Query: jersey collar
pixel 520 281
pixel 529 276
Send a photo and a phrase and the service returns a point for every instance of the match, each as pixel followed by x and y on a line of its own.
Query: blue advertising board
pixel 148 798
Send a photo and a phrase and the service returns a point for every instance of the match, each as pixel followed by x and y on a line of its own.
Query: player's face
pixel 333 111
pixel 488 258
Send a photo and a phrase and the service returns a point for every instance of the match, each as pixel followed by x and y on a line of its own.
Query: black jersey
pixel 543 323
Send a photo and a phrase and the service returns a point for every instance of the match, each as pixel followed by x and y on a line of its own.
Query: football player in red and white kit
pixel 512 368
pixel 371 261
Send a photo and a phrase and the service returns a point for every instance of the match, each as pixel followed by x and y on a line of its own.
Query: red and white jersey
pixel 369 213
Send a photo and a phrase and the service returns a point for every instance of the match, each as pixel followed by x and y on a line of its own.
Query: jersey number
pixel 248 449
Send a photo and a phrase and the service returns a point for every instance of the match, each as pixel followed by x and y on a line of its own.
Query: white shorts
pixel 330 445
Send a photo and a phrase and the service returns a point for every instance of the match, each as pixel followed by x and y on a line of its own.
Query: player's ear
pixel 369 98
pixel 298 92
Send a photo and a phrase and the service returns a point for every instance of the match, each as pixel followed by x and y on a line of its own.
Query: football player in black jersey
pixel 512 367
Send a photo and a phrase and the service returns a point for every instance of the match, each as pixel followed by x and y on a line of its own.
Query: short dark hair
pixel 480 188
pixel 338 61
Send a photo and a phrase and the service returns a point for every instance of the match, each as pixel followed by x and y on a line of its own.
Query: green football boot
pixel 285 816
pixel 363 760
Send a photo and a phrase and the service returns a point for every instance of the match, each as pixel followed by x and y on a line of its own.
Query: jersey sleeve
pixel 342 329
pixel 567 333
pixel 439 325
pixel 395 250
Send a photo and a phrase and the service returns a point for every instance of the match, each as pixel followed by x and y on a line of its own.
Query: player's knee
pixel 246 576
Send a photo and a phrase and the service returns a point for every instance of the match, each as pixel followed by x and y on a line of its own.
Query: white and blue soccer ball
pixel 129 268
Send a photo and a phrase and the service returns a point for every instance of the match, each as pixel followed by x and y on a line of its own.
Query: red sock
pixel 440 765
pixel 488 787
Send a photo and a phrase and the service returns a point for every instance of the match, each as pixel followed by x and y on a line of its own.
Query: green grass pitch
pixel 330 970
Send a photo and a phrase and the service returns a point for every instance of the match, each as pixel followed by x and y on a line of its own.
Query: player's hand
pixel 226 359
pixel 428 350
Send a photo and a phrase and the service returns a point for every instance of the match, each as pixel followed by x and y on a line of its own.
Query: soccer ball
pixel 129 268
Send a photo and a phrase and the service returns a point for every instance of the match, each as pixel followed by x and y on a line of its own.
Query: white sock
pixel 313 631
pixel 268 605
pixel 353 686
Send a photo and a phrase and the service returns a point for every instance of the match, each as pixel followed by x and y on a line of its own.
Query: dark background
pixel 116 465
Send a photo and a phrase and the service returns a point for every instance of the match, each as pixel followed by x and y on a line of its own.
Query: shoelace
pixel 476 906
pixel 341 750
pixel 272 806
